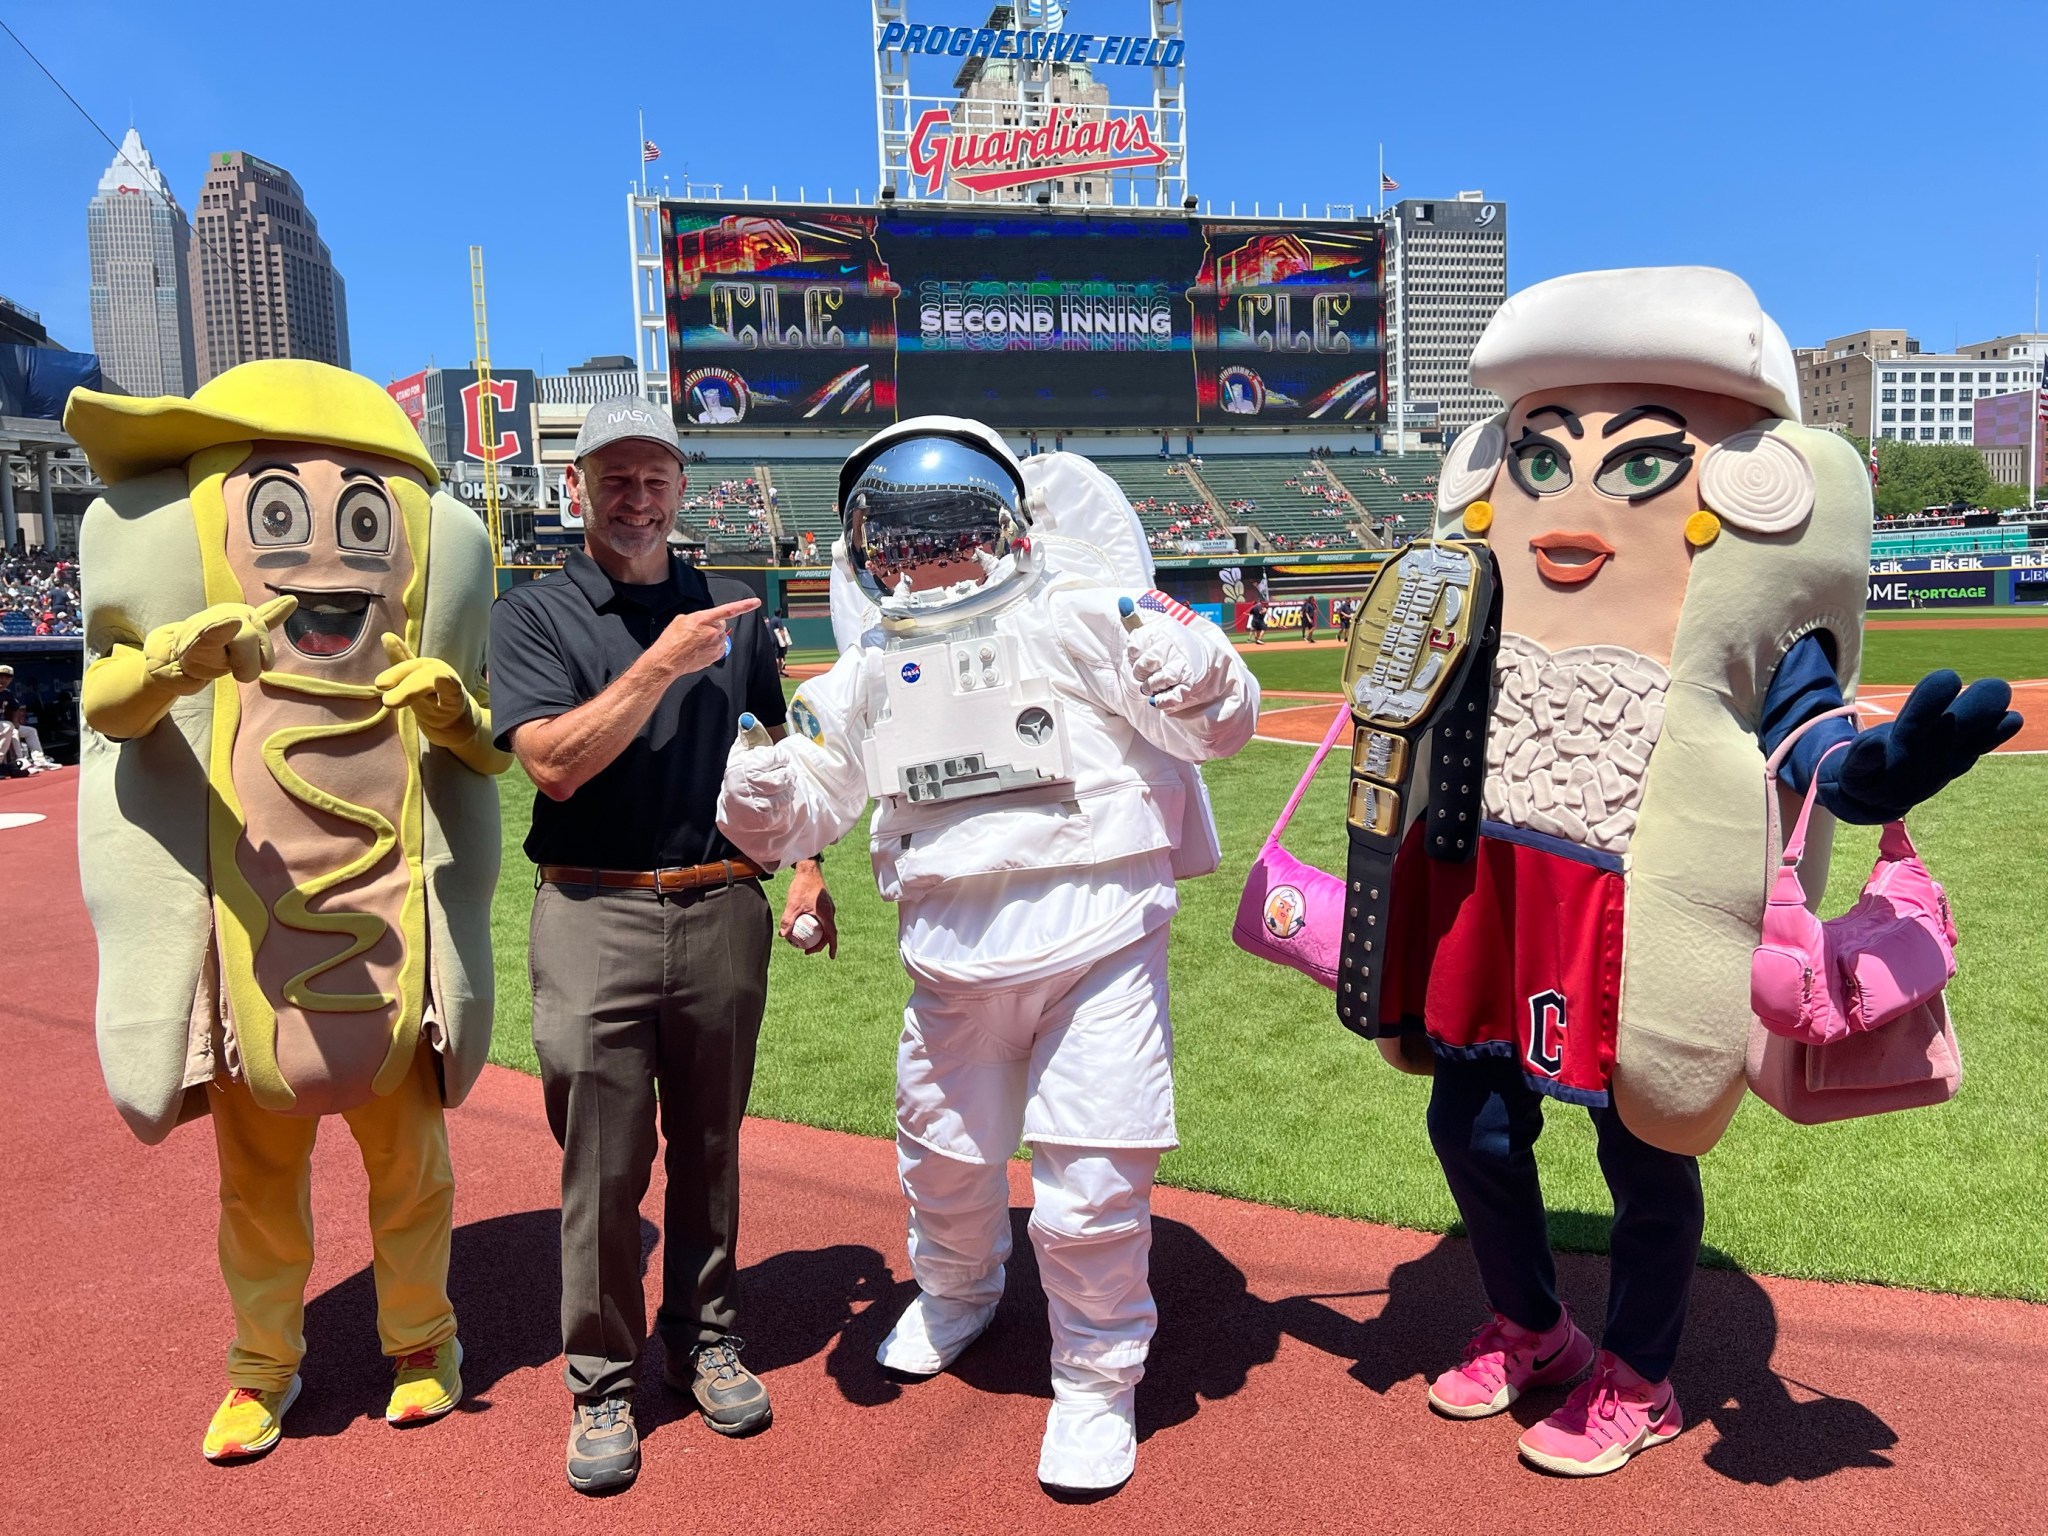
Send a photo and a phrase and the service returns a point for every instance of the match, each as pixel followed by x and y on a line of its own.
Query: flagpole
pixel 2034 415
pixel 641 147
pixel 1382 194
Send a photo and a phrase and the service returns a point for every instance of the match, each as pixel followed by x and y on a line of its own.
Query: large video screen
pixel 803 316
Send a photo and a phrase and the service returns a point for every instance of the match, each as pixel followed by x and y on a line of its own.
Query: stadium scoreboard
pixel 782 316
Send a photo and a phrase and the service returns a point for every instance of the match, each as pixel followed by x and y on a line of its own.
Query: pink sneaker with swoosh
pixel 1609 1417
pixel 1503 1361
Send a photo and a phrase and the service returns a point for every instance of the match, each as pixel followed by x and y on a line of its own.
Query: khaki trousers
pixel 266 1221
pixel 646 1005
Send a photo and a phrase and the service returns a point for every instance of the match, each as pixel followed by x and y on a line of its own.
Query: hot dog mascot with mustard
pixel 1646 574
pixel 288 832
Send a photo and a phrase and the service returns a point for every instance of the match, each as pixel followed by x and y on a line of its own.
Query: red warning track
pixel 1286 1391
pixel 1286 720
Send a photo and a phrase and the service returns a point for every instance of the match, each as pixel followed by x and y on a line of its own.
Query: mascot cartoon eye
pixel 362 522
pixel 1645 468
pixel 1539 466
pixel 279 513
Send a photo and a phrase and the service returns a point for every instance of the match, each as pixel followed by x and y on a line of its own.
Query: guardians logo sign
pixel 1067 145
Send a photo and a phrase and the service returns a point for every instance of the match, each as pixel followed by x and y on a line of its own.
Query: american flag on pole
pixel 649 150
pixel 1159 602
pixel 1388 184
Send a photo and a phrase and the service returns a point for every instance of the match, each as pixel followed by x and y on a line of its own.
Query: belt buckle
pixel 1411 644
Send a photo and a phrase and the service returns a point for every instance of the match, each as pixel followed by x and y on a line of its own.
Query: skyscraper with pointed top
pixel 139 244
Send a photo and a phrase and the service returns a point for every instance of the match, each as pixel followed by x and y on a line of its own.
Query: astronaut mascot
pixel 1028 714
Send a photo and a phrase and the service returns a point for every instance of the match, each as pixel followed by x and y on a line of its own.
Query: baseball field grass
pixel 1278 1104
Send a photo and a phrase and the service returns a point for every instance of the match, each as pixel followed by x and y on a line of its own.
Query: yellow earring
pixel 1702 528
pixel 1479 517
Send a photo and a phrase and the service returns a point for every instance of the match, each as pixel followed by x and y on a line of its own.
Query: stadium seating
pixel 1284 498
pixel 1170 504
pixel 1397 485
pixel 725 505
pixel 806 497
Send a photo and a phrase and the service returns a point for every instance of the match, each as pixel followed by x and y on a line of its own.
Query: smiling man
pixel 619 683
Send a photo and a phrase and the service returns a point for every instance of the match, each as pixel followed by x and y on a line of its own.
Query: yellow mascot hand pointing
pixel 447 715
pixel 228 637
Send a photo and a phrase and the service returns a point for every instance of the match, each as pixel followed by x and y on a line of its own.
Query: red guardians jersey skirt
pixel 1517 953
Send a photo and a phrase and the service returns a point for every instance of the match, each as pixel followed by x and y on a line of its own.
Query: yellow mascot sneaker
pixel 248 1423
pixel 429 1384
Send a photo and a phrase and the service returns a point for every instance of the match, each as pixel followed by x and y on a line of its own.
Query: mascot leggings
pixel 266 1221
pixel 1484 1119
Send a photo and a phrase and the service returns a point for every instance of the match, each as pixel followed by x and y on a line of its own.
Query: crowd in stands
pixel 1331 453
pixel 733 513
pixel 1181 520
pixel 38 595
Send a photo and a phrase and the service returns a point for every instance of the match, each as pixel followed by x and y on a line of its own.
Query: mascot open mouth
pixel 1570 558
pixel 326 625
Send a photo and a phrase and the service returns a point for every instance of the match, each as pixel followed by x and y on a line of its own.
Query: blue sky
pixel 1861 165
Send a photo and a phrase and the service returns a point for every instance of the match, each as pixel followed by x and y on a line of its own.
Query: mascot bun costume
pixel 288 831
pixel 1646 575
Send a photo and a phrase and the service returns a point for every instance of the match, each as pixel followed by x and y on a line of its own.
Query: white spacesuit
pixel 1027 714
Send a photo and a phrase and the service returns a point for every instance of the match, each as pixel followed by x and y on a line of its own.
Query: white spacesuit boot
pixel 1091 1226
pixel 959 1241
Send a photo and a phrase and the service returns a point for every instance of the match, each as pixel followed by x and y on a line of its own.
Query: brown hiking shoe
pixel 733 1400
pixel 604 1447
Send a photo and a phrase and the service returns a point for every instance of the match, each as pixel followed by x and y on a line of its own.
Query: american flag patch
pixel 1159 602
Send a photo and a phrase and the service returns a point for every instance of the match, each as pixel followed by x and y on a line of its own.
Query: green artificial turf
pixel 1278 1104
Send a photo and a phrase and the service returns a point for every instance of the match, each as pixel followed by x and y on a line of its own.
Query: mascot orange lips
pixel 328 623
pixel 1591 551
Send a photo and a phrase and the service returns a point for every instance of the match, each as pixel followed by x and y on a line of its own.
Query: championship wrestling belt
pixel 1421 659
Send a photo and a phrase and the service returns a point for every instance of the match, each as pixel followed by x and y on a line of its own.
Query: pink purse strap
pixel 1789 853
pixel 1337 729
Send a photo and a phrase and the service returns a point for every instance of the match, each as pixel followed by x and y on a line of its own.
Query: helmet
pixel 935 513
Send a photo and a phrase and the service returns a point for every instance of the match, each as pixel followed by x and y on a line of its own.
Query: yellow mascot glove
pixel 228 637
pixel 447 715
pixel 132 687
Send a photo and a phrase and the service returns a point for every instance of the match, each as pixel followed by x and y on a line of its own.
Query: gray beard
pixel 1569 744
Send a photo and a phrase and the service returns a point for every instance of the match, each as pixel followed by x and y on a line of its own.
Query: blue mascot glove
pixel 1941 731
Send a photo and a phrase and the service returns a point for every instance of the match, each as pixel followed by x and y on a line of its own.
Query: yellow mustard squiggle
pixel 294 908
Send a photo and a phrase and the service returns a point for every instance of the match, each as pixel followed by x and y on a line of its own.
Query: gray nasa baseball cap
pixel 613 421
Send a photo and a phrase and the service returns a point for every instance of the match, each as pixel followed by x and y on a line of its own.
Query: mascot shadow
pixel 1766 1434
pixel 840 1301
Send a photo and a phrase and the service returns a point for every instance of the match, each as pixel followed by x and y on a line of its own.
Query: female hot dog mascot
pixel 288 831
pixel 1681 581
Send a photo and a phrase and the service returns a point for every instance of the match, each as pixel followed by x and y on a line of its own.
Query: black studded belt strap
pixel 1420 661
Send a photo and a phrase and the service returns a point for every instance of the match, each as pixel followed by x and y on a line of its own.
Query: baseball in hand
pixel 806 933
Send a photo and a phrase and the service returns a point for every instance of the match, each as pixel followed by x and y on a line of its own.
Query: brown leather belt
pixel 667 881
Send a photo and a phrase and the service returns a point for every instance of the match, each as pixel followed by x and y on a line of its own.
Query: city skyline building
pixel 1447 272
pixel 1879 383
pixel 138 242
pixel 265 282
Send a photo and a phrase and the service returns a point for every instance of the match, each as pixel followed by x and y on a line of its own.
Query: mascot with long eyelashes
pixel 288 832
pixel 1647 573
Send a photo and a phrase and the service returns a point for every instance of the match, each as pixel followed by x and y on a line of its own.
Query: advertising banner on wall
pixel 780 316
pixel 1954 590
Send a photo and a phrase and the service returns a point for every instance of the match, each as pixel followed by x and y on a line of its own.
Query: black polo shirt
pixel 560 641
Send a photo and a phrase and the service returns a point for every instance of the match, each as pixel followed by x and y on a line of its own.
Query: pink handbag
pixel 1850 1017
pixel 1293 913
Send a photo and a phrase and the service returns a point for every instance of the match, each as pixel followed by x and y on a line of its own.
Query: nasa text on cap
pixel 613 421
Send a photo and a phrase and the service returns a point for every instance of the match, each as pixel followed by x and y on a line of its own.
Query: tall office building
pixel 139 242
pixel 1447 272
pixel 266 284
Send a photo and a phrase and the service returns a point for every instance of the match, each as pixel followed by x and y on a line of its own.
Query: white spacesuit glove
pixel 759 783
pixel 1168 669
